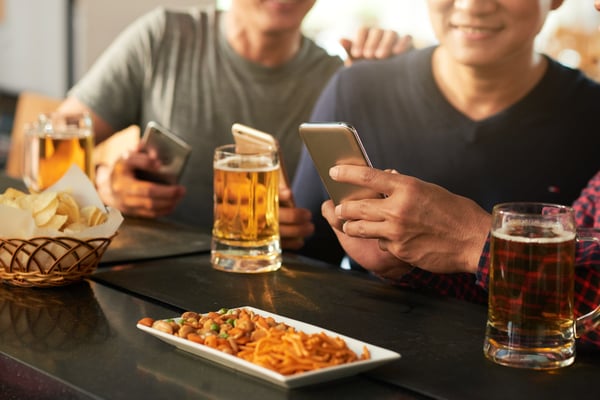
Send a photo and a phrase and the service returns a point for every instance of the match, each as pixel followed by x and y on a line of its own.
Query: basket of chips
pixel 51 239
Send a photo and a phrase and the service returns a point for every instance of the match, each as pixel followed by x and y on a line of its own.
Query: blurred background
pixel 47 45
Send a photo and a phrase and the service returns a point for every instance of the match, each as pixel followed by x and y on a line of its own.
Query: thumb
pixel 347 45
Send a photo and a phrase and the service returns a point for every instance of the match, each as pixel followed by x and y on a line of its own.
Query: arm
pixel 112 92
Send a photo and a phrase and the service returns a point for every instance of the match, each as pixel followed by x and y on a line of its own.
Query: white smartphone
pixel 250 139
pixel 336 143
pixel 170 149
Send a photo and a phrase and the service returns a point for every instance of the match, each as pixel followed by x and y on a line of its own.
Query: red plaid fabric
pixel 587 273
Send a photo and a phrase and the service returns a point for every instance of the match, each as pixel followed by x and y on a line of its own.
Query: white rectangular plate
pixel 379 355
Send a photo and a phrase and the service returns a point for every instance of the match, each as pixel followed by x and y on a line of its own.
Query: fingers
pixel 286 198
pixel 379 43
pixel 328 212
pixel 347 45
pixel 147 199
pixel 359 43
pixel 377 180
pixel 140 160
pixel 375 43
pixel 368 228
pixel 137 197
pixel 294 225
pixel 403 44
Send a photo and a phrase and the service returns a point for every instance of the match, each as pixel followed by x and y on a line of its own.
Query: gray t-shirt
pixel 176 68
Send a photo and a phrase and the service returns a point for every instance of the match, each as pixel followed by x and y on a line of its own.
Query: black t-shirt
pixel 543 148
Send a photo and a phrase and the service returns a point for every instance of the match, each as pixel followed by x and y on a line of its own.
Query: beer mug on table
pixel 52 144
pixel 245 235
pixel 531 322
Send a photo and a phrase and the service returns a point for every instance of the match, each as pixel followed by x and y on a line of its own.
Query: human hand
pixel 294 223
pixel 419 223
pixel 375 43
pixel 365 251
pixel 119 188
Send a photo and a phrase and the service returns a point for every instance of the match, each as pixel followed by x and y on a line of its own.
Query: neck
pixel 267 48
pixel 481 91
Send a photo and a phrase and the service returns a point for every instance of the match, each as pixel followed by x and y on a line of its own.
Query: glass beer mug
pixel 52 144
pixel 245 236
pixel 531 322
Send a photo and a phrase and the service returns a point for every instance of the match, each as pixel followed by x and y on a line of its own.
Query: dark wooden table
pixel 81 342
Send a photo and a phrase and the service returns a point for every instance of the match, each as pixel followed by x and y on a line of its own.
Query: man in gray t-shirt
pixel 197 72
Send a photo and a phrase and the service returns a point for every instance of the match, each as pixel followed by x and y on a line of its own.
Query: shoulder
pixel 570 82
pixel 397 73
pixel 163 21
pixel 313 57
pixel 399 67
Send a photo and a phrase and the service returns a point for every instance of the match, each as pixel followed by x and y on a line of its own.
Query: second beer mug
pixel 52 144
pixel 246 211
pixel 531 322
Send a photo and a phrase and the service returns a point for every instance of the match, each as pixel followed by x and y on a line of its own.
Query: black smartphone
pixel 336 143
pixel 169 149
pixel 250 139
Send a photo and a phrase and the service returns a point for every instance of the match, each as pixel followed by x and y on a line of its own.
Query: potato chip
pixel 56 222
pixel 43 216
pixel 13 194
pixel 92 215
pixel 9 202
pixel 68 206
pixel 75 227
pixel 52 210
pixel 43 201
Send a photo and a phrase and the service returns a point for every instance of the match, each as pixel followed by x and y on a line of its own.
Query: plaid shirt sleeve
pixel 587 206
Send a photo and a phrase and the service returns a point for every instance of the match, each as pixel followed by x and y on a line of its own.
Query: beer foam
pixel 560 235
pixel 260 164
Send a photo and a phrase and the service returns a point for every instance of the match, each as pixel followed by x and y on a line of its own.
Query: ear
pixel 556 4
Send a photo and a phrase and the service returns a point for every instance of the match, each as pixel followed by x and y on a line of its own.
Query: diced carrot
pixel 147 321
pixel 194 337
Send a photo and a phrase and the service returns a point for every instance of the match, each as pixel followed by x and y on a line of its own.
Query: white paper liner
pixel 19 224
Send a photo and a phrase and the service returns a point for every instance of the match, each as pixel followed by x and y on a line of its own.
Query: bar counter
pixel 81 341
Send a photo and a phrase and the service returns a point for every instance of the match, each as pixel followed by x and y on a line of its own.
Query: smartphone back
pixel 172 152
pixel 248 139
pixel 331 144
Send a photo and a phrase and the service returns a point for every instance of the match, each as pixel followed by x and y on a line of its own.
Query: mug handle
pixel 591 320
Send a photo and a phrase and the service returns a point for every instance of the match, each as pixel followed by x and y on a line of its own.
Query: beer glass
pixel 52 144
pixel 245 236
pixel 531 321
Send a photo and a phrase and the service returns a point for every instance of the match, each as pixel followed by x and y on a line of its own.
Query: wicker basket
pixel 49 261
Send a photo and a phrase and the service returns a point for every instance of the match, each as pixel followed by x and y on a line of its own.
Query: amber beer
pixel 530 315
pixel 52 145
pixel 246 211
pixel 51 157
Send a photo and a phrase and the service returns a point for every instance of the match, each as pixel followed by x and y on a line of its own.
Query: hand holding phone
pixel 331 144
pixel 250 139
pixel 169 149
